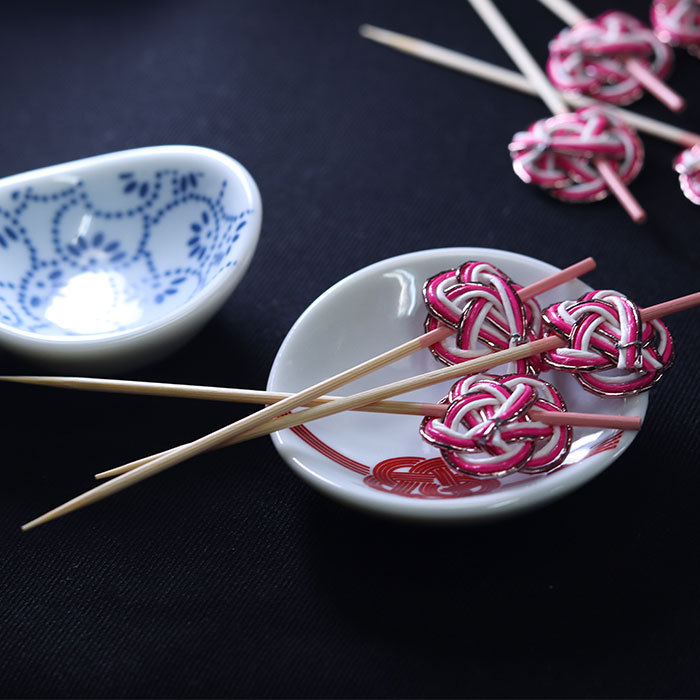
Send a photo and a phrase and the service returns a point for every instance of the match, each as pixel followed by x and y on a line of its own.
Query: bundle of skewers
pixel 492 336
pixel 595 65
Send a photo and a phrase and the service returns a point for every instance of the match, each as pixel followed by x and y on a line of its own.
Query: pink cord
pixel 486 431
pixel 592 57
pixel 560 153
pixel 610 350
pixel 687 165
pixel 482 303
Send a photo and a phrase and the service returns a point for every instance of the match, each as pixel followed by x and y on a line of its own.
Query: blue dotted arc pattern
pixel 79 256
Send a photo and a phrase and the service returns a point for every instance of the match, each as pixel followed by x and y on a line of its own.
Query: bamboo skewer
pixel 186 391
pixel 495 21
pixel 571 15
pixel 516 81
pixel 436 410
pixel 256 396
pixel 212 393
pixel 220 437
pixel 206 393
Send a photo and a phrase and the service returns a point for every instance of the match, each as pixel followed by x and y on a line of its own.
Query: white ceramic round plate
pixel 114 261
pixel 379 462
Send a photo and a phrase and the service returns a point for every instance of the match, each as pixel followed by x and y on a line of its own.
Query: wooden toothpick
pixel 189 391
pixel 477 68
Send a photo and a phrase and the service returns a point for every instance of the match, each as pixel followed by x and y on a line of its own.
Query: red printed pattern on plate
pixel 417 477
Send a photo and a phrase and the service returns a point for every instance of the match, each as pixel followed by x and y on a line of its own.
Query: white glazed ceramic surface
pixel 379 462
pixel 113 261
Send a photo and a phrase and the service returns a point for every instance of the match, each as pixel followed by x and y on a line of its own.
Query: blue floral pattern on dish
pixel 162 238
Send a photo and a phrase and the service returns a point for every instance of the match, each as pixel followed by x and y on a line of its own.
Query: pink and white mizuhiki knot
pixel 591 57
pixel 482 304
pixel 687 165
pixel 677 22
pixel 559 153
pixel 609 349
pixel 486 430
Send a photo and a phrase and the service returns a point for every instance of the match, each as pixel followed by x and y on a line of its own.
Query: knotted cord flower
pixel 677 22
pixel 610 350
pixel 591 57
pixel 486 430
pixel 559 153
pixel 481 302
pixel 687 165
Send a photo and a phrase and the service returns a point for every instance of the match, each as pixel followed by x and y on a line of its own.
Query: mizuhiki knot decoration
pixel 610 350
pixel 481 302
pixel 486 430
pixel 560 153
pixel 677 22
pixel 687 165
pixel 592 57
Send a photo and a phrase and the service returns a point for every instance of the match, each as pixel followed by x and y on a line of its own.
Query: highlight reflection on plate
pixel 379 462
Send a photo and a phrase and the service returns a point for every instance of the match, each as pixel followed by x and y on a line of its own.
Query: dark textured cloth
pixel 227 576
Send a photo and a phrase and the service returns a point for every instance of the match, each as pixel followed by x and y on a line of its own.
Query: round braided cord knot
pixel 486 431
pixel 609 349
pixel 482 304
pixel 687 165
pixel 559 153
pixel 677 22
pixel 591 57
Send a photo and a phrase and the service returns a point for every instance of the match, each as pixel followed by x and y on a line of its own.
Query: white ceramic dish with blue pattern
pixel 111 262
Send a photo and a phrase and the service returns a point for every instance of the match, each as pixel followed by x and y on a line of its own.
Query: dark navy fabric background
pixel 227 576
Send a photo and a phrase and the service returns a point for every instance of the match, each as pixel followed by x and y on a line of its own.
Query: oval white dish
pixel 379 462
pixel 113 261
